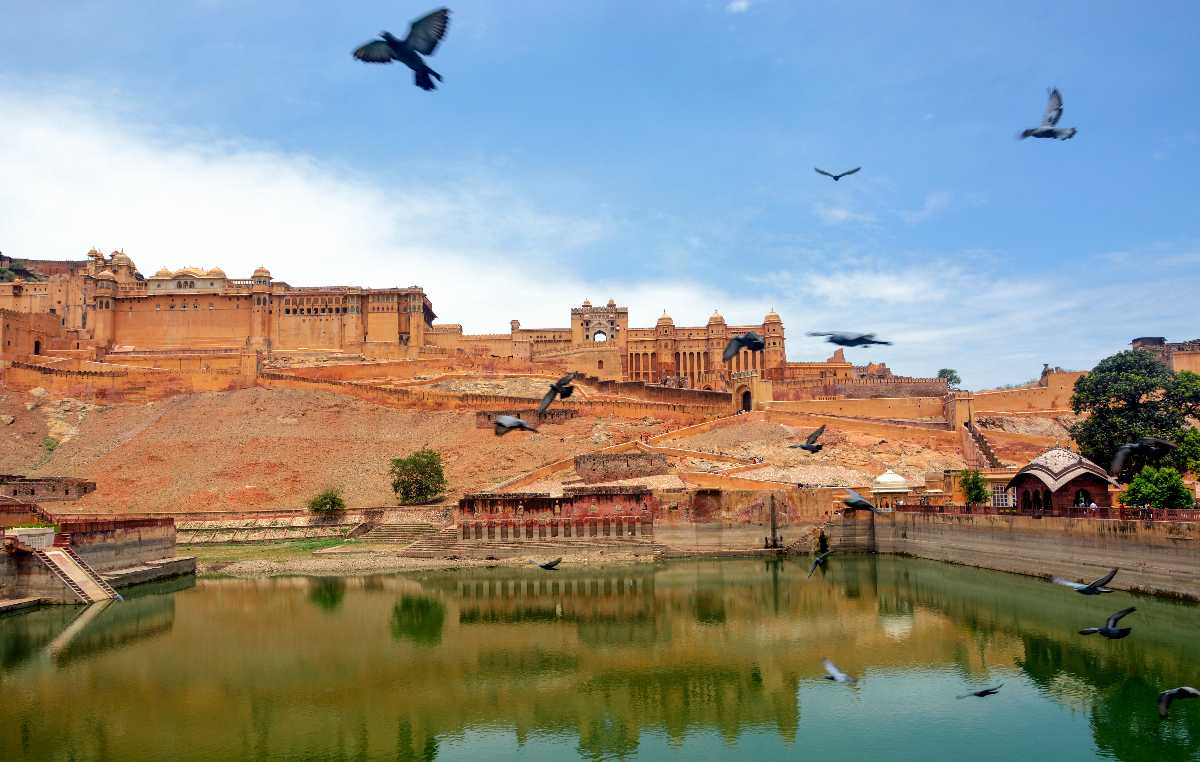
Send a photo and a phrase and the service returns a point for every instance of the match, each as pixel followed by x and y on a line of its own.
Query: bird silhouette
pixel 549 565
pixel 983 693
pixel 1110 629
pixel 1095 587
pixel 507 423
pixel 810 444
pixel 856 502
pixel 1145 450
pixel 423 38
pixel 748 340
pixel 1175 694
pixel 836 674
pixel 818 561
pixel 1047 129
pixel 560 388
pixel 849 339
pixel 838 176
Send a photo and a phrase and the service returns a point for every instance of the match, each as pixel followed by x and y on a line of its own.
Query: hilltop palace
pixel 104 305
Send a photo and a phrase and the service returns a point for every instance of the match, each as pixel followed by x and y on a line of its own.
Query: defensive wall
pixel 1160 557
pixel 108 544
pixel 116 383
pixel 883 407
pixel 45 488
pixel 486 419
pixel 611 466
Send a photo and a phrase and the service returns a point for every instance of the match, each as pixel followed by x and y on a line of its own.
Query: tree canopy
pixel 974 487
pixel 418 478
pixel 1186 458
pixel 950 375
pixel 1158 488
pixel 1131 395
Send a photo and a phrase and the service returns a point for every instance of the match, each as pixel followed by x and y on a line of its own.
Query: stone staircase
pixel 436 544
pixel 405 533
pixel 77 575
pixel 985 447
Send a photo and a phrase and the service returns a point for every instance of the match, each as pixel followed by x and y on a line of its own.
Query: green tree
pixel 1158 488
pixel 950 375
pixel 327 501
pixel 1186 458
pixel 1131 395
pixel 974 487
pixel 418 478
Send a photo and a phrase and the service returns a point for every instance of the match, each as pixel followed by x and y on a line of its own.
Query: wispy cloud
pixel 838 214
pixel 737 6
pixel 935 203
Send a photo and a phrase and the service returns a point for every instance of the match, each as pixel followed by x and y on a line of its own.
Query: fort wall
pixel 884 407
pixel 608 466
pixel 115 544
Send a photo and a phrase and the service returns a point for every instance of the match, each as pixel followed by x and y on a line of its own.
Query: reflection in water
pixel 327 592
pixel 697 659
pixel 418 619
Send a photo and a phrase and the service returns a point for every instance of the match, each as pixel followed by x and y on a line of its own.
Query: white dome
pixel 889 479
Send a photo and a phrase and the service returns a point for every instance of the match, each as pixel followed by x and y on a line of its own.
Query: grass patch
pixel 228 553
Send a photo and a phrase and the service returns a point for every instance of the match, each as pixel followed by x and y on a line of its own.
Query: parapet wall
pixel 121 543
pixel 1158 557
pixel 882 408
pixel 121 383
pixel 1055 395
pixel 609 466
pixel 486 419
pixel 45 489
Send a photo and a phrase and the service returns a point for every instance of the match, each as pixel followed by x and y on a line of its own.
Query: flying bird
pixel 1095 587
pixel 560 388
pixel 818 561
pixel 507 423
pixel 549 565
pixel 810 444
pixel 856 502
pixel 983 693
pixel 1146 449
pixel 423 38
pixel 1047 129
pixel 748 340
pixel 850 339
pixel 1110 629
pixel 838 176
pixel 1166 697
pixel 836 674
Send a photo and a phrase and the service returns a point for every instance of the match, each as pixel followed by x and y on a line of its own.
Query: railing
pixel 1075 512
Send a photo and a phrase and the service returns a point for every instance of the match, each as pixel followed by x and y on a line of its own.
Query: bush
pixel 1158 488
pixel 328 501
pixel 50 443
pixel 419 478
pixel 974 487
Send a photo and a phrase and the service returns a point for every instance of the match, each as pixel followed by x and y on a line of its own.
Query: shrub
pixel 50 443
pixel 418 478
pixel 974 487
pixel 327 501
pixel 1158 488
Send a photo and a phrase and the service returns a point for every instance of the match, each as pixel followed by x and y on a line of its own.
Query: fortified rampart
pixel 120 383
pixel 45 489
pixel 486 419
pixel 120 543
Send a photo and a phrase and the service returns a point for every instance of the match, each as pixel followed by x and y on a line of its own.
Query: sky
pixel 657 152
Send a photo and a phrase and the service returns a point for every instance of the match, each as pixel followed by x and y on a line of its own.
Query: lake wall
pixel 1159 557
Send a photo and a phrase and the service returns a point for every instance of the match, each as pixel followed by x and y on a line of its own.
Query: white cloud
pixel 835 214
pixel 935 203
pixel 738 6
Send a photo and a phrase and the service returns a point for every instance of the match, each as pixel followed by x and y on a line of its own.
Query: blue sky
pixel 656 152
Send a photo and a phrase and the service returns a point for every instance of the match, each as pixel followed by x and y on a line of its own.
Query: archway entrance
pixel 600 337
pixel 747 402
pixel 37 346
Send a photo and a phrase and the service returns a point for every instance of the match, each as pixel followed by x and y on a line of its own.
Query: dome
pixel 889 479
pixel 587 303
pixel 716 319
pixel 216 272
pixel 261 272
pixel 105 275
pixel 120 260
pixel 163 272
pixel 1058 465
pixel 772 317
pixel 665 320
pixel 189 272
pixel 612 303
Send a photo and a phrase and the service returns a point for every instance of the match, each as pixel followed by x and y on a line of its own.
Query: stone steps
pixel 399 534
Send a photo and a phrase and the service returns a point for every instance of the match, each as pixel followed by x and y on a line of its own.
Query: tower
pixel 774 353
pixel 101 307
pixel 260 309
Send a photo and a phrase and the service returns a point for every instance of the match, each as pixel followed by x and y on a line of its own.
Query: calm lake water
pixel 695 660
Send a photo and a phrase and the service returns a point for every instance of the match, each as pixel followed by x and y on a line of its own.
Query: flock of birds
pixel 423 37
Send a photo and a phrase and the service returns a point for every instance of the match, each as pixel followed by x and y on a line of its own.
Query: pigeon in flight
pixel 1166 697
pixel 819 561
pixel 850 339
pixel 560 388
pixel 983 693
pixel 748 340
pixel 1095 587
pixel 549 565
pixel 838 176
pixel 507 423
pixel 810 444
pixel 1146 449
pixel 836 674
pixel 1110 629
pixel 423 38
pixel 856 502
pixel 1047 129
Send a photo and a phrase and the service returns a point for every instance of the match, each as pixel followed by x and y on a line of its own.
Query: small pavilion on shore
pixel 1058 480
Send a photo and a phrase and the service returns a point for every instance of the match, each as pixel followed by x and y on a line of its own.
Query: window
pixel 1001 497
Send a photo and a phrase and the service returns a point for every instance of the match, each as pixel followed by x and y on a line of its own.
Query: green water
pixel 694 660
